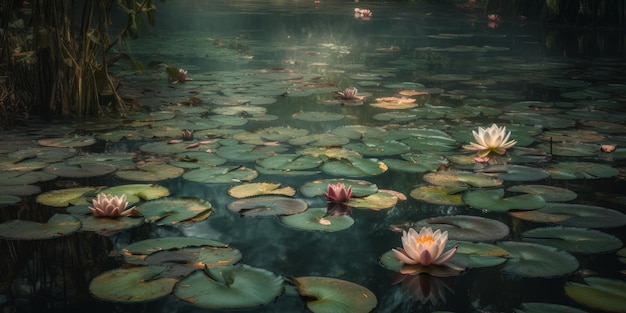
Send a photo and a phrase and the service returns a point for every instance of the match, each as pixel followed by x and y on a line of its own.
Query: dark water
pixel 401 42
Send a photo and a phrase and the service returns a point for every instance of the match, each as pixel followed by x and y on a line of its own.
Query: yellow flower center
pixel 425 239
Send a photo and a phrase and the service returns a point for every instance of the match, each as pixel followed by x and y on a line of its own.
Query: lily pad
pixel 516 172
pixel 439 194
pixel 59 225
pixel 9 199
pixel 134 284
pixel 221 175
pixel 80 171
pixel 572 239
pixel 267 206
pixel 467 227
pixel 377 201
pixel 575 215
pixel 568 149
pixel 135 192
pixel 195 257
pixel 548 193
pixel 539 307
pixel 454 267
pixel 64 197
pixel 378 147
pixel 25 177
pixel 230 287
pixel 581 170
pixel 137 252
pixel 494 200
pixel 259 189
pixel 313 116
pixel 151 172
pixel 354 167
pixel 327 294
pixel 106 225
pixel 481 254
pixel 454 178
pixel 68 142
pixel 248 152
pixel 197 159
pixel 290 162
pixel 320 140
pixel 599 293
pixel 170 211
pixel 534 260
pixel 314 219
pixel 359 132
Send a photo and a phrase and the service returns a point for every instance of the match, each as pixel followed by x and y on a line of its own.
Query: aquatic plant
pixel 424 247
pixel 491 139
pixel 348 93
pixel 338 193
pixel 111 206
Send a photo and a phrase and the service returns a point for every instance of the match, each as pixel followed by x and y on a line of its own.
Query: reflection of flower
pixel 111 206
pixel 492 139
pixel 424 248
pixel 425 288
pixel 338 193
pixel 337 209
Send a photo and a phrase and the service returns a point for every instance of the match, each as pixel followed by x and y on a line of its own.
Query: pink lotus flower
pixel 362 12
pixel 349 94
pixel 111 206
pixel 338 193
pixel 424 248
pixel 182 76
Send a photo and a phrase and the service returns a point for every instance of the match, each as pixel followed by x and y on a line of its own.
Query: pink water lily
pixel 111 206
pixel 338 193
pixel 424 248
pixel 491 139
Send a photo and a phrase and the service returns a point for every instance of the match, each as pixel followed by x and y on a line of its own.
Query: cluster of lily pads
pixel 206 131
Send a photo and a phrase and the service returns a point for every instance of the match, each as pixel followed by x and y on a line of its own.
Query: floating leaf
pixel 134 284
pixel 58 225
pixel 575 215
pixel 581 170
pixel 290 162
pixel 466 227
pixel 454 267
pixel 197 159
pixel 151 172
pixel 314 219
pixel 516 172
pixel 378 147
pixel 134 192
pixel 259 189
pixel 327 294
pixel 572 239
pixel 377 201
pixel 548 193
pixel 23 177
pixel 354 167
pixel 360 188
pixel 313 116
pixel 230 287
pixel 64 197
pixel 439 194
pixel 268 206
pixel 174 210
pixel 493 200
pixel 68 142
pixel 196 257
pixel 599 293
pixel 80 171
pixel 104 225
pixel 537 307
pixel 461 179
pixel 221 175
pixel 481 254
pixel 137 252
pixel 533 260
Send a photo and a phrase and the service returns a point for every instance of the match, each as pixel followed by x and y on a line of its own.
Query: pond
pixel 228 165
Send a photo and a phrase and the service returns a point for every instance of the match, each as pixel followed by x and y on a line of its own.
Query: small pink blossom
pixel 338 193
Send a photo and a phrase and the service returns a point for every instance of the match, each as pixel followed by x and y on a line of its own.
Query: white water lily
pixel 492 139
pixel 425 248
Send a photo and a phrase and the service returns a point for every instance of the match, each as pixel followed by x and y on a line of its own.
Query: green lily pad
pixel 572 239
pixel 137 252
pixel 13 178
pixel 313 219
pixel 121 160
pixel 569 149
pixel 466 227
pixel 20 190
pixel 572 135
pixel 134 284
pixel 221 175
pixel 575 215
pixel 170 211
pixel 313 116
pixel 454 267
pixel 151 172
pixel 360 188
pixel 59 225
pixel 327 294
pixel 585 95
pixel 195 257
pixel 9 199
pixel 135 192
pixel 165 147
pixel 258 189
pixel 377 201
pixel 358 132
pixel 599 293
pixel 493 200
pixel 105 225
pixel 25 165
pixel 538 307
pixel 439 194
pixel 581 170
pixel 197 159
pixel 68 142
pixel 290 162
pixel 516 172
pixel 319 140
pixel 80 171
pixel 64 197
pixel 548 193
pixel 230 287
pixel 534 260
pixel 454 178
pixel 354 167
pixel 378 147
pixel 481 254
pixel 248 152
pixel 267 206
